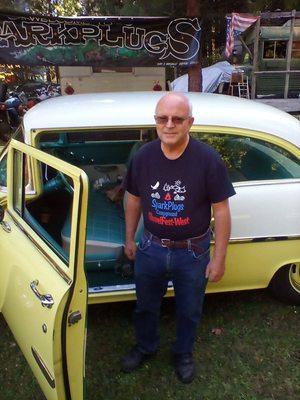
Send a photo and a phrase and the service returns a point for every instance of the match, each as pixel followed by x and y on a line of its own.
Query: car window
pixel 248 158
pixel 18 135
pixel 48 212
pixel 121 134
pixel 3 172
pixel 3 176
pixel 80 137
pixel 48 140
pixel 18 182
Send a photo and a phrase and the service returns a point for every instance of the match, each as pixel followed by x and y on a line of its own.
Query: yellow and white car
pixel 62 219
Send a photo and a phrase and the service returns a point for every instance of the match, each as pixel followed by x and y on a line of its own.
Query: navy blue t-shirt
pixel 176 195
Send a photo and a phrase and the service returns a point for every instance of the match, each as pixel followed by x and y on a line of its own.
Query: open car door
pixel 43 289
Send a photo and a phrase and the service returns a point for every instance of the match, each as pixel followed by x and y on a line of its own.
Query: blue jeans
pixel 155 266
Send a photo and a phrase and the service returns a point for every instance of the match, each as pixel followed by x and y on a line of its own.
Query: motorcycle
pixel 5 128
pixel 16 105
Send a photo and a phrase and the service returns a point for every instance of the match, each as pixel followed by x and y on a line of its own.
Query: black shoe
pixel 185 367
pixel 133 359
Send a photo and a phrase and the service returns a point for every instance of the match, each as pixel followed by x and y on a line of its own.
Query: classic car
pixel 62 214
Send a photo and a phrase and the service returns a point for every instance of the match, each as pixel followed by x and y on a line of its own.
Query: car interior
pixel 105 161
pixel 104 156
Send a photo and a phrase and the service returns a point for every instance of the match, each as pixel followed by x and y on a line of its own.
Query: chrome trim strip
pixel 43 252
pixel 263 239
pixel 43 368
pixel 266 182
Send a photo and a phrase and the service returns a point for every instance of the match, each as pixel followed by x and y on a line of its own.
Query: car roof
pixel 125 109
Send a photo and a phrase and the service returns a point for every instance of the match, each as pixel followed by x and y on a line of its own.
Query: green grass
pixel 256 357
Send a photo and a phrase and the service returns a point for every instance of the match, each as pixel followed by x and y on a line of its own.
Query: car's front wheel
pixel 285 284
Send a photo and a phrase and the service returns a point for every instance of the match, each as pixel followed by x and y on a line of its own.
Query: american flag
pixel 235 24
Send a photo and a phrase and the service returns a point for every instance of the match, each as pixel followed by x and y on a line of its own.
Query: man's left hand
pixel 215 270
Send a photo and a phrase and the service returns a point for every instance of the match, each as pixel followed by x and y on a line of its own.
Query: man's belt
pixel 191 243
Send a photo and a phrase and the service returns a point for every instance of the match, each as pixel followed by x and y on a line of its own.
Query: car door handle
pixel 6 227
pixel 45 299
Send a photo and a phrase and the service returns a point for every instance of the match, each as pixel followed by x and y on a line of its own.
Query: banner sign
pixel 99 41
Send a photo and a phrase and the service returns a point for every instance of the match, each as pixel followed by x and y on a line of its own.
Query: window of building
pixel 296 49
pixel 274 49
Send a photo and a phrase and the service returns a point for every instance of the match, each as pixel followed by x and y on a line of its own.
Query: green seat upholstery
pixel 133 150
pixel 105 229
pixel 105 234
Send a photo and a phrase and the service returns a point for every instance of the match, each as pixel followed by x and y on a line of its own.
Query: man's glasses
pixel 163 119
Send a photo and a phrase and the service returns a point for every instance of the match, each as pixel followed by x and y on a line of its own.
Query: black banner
pixel 99 41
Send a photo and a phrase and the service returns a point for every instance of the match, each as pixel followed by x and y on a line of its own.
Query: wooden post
pixel 48 74
pixel 255 58
pixel 246 47
pixel 57 74
pixel 194 71
pixel 289 56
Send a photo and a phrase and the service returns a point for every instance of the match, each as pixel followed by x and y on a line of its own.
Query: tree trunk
pixel 194 71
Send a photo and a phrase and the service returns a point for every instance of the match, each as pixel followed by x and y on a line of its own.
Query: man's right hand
pixel 130 249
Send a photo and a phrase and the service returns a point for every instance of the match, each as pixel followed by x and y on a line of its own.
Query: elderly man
pixel 174 181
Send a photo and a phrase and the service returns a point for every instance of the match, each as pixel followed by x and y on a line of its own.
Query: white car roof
pixel 137 109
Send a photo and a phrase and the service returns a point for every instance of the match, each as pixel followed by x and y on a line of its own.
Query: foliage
pixel 67 7
pixel 233 150
pixel 213 9
pixel 158 7
pixel 53 7
pixel 134 8
pixel 272 5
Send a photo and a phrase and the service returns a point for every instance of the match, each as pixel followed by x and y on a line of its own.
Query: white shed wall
pixel 84 80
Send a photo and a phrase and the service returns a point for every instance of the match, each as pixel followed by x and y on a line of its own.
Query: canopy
pixel 211 78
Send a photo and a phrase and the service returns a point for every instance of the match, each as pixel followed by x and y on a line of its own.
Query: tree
pixel 194 71
pixel 53 7
pixel 272 5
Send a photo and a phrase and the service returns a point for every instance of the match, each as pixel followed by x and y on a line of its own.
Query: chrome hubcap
pixel 294 276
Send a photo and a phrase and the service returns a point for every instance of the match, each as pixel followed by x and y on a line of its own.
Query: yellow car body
pixel 55 257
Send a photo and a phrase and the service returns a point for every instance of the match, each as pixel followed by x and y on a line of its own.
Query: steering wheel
pixel 58 182
pixel 66 181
